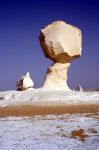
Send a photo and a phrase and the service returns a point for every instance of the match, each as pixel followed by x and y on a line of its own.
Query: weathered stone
pixel 25 82
pixel 56 77
pixel 61 43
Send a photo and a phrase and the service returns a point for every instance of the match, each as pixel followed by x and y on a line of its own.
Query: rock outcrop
pixel 61 43
pixel 25 82
pixel 80 88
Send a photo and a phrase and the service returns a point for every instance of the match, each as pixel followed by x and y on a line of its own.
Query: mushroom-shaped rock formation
pixel 25 82
pixel 61 43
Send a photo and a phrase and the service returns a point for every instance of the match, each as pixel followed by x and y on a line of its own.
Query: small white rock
pixel 25 82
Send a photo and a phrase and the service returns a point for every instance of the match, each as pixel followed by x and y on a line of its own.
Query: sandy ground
pixel 27 110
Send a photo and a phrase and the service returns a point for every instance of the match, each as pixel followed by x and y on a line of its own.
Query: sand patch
pixel 30 110
pixel 79 134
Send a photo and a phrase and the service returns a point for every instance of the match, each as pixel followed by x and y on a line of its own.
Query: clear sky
pixel 20 51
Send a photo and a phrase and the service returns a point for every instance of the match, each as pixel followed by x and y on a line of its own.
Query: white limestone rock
pixel 56 77
pixel 61 43
pixel 25 82
pixel 80 88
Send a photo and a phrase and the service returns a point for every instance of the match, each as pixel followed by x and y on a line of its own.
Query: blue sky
pixel 20 51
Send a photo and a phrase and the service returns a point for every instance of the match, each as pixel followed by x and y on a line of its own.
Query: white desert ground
pixel 43 119
pixel 41 101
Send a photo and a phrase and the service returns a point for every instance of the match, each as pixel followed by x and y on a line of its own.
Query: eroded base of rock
pixel 56 77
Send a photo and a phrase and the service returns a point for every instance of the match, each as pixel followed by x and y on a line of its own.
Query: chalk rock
pixel 80 88
pixel 56 77
pixel 61 42
pixel 25 82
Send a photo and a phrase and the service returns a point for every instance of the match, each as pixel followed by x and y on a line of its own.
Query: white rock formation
pixel 61 43
pixel 80 88
pixel 56 77
pixel 25 82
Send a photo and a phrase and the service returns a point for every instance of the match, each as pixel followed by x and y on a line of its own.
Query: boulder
pixel 61 42
pixel 25 82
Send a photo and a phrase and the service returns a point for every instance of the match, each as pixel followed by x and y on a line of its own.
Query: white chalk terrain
pixel 54 132
pixel 47 97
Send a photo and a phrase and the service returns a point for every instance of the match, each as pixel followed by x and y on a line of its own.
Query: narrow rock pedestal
pixel 56 77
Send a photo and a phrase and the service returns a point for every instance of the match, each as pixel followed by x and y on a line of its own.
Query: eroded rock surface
pixel 61 43
pixel 56 77
pixel 25 82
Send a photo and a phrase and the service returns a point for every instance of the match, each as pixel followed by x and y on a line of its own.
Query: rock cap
pixel 61 42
